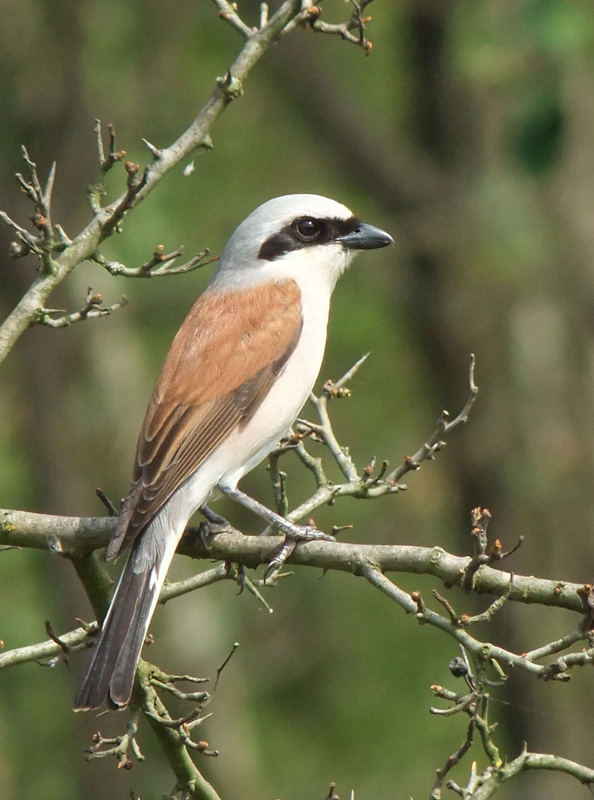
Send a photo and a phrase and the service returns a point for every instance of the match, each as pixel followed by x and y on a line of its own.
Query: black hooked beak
pixel 365 237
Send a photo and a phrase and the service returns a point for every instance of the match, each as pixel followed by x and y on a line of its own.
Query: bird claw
pixel 298 533
pixel 215 520
pixel 211 525
pixel 309 533
pixel 236 572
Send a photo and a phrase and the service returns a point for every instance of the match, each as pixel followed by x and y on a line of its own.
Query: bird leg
pixel 300 533
pixel 293 533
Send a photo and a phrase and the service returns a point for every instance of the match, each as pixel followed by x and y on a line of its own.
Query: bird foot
pixel 293 535
pixel 211 525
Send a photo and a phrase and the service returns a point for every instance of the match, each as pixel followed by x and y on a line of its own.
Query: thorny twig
pixel 475 704
pixel 155 709
pixel 106 162
pixel 445 426
pixel 160 264
pixel 309 16
pixel 483 554
pixel 225 662
pixel 46 242
pixel 484 653
pixel 92 308
pixel 111 509
pixel 331 793
pixel 228 12
pixel 59 255
pixel 118 746
pixel 168 683
pixel 362 484
pixel 345 29
pixel 64 646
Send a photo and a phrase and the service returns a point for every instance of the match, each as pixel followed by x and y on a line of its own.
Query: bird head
pixel 294 236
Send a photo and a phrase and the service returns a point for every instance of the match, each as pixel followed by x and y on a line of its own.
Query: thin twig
pixel 344 30
pixel 159 265
pixel 92 308
pixel 118 746
pixel 444 426
pixel 228 12
pixel 106 162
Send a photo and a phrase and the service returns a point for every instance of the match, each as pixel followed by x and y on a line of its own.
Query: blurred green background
pixel 468 135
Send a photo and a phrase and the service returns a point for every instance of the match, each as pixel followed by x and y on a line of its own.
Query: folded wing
pixel 226 355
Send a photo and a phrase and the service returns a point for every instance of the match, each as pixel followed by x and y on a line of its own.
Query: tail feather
pixel 120 687
pixel 110 674
pixel 111 670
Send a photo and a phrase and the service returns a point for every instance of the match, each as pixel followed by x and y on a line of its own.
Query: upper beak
pixel 365 237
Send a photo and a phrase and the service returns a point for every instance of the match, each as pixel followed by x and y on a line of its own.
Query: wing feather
pixel 228 352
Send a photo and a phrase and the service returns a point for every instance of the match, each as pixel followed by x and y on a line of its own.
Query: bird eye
pixel 307 228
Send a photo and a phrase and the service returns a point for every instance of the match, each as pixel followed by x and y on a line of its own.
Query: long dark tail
pixel 110 674
pixel 111 670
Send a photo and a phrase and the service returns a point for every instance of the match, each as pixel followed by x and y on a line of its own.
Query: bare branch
pixel 164 262
pixel 48 652
pixel 344 30
pixel 324 431
pixel 107 162
pixel 444 426
pixel 228 12
pixel 338 388
pixel 482 786
pixel 174 736
pixel 484 653
pixel 451 762
pixel 475 704
pixel 44 243
pixel 118 746
pixel 91 309
pixel 105 220
pixel 194 582
pixel 557 646
pixel 77 537
pixel 526 760
pixel 26 242
pixel 364 485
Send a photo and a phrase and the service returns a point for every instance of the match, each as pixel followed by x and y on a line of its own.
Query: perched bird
pixel 238 372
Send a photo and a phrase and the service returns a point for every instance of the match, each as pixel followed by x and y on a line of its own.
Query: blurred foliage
pixel 467 134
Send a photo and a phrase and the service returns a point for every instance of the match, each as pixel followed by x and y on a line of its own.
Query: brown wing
pixel 223 360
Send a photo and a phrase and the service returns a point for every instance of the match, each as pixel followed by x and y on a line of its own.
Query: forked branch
pixel 59 255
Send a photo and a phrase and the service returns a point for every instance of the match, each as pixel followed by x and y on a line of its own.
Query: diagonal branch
pixel 444 426
pixel 85 245
pixel 482 652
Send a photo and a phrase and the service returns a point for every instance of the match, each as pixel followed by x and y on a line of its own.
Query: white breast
pixel 246 448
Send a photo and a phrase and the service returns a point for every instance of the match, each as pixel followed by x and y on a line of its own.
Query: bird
pixel 237 374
